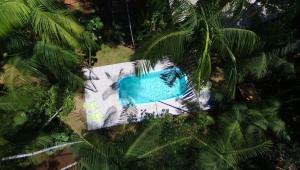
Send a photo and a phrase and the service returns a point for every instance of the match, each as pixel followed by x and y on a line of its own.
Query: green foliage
pixel 173 138
pixel 153 19
pixel 55 27
pixel 63 68
pixel 230 42
pixel 166 44
pixel 52 35
pixel 42 70
pixel 256 67
pixel 13 14
pixel 95 24
pixel 22 117
pixel 68 103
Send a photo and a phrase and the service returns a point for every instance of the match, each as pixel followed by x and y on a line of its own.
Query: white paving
pixel 102 104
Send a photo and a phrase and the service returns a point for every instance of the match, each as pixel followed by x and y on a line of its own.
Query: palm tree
pixel 39 39
pixel 155 146
pixel 159 142
pixel 200 32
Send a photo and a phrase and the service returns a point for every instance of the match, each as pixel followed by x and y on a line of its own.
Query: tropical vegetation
pixel 247 50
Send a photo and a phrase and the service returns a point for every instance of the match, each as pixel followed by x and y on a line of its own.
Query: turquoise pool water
pixel 150 87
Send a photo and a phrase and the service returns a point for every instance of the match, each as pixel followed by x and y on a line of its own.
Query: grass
pixel 112 55
pixel 76 120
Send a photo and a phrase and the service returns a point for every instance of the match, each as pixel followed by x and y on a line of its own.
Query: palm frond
pixel 212 155
pixel 53 55
pixel 222 155
pixel 233 8
pixel 60 62
pixel 17 43
pixel 256 66
pixel 252 151
pixel 149 142
pixel 159 148
pixel 278 127
pixel 232 125
pixel 284 51
pixel 208 161
pixel 91 158
pixel 184 14
pixel 170 44
pixel 230 79
pixel 13 13
pixel 142 141
pixel 87 43
pixel 18 99
pixel 55 27
pixel 204 65
pixel 49 5
pixel 270 112
pixel 239 41
pixel 278 59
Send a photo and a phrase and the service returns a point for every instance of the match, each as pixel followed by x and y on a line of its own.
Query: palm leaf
pixel 13 13
pixel 170 44
pixel 48 5
pixel 149 142
pixel 91 158
pixel 15 100
pixel 220 155
pixel 56 56
pixel 239 41
pixel 87 43
pixel 284 51
pixel 252 151
pixel 184 14
pixel 60 62
pixel 56 27
pixel 141 141
pixel 256 66
pixel 159 148
pixel 230 79
pixel 204 65
pixel 18 44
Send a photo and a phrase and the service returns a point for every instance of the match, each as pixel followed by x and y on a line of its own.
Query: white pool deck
pixel 102 105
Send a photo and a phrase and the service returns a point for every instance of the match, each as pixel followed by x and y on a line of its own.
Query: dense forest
pixel 246 51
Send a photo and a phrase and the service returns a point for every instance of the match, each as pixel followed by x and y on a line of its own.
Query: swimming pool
pixel 151 87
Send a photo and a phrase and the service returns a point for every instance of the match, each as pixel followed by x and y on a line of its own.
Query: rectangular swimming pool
pixel 151 87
